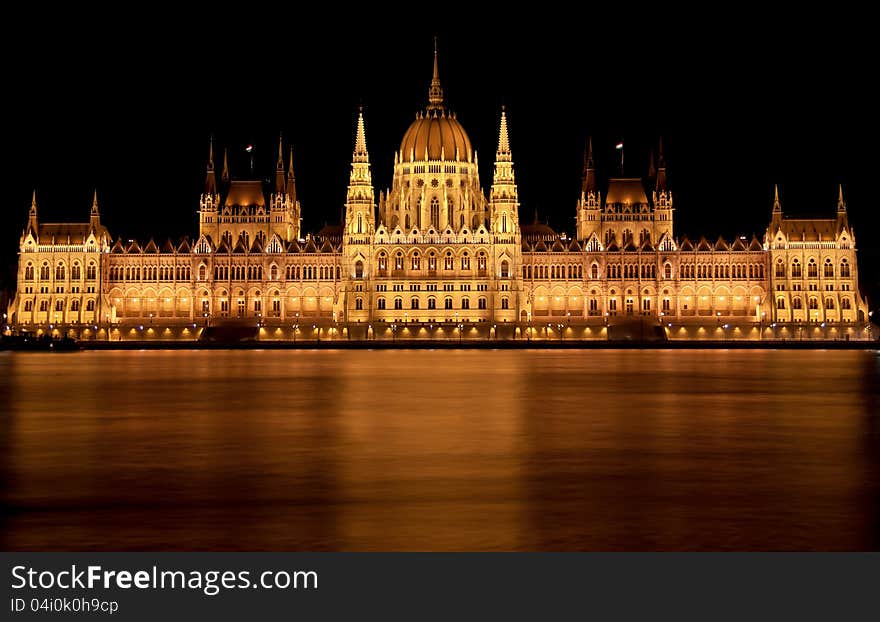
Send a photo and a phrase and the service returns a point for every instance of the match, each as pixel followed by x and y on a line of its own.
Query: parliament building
pixel 433 257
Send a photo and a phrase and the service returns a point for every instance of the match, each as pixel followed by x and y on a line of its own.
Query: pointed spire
pixel 211 176
pixel 661 169
pixel 33 227
pixel 435 92
pixel 503 154
pixel 360 141
pixel 95 203
pixel 841 204
pixel 536 216
pixel 224 177
pixel 777 206
pixel 279 167
pixel 588 183
pixel 33 211
pixel 291 179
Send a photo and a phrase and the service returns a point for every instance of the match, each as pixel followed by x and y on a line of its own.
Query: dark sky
pixel 741 100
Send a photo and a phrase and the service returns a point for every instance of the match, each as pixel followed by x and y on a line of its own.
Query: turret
pixel 588 209
pixel 842 220
pixel 503 198
pixel 360 203
pixel 94 214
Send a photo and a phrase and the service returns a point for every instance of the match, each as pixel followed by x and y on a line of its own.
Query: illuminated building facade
pixel 434 257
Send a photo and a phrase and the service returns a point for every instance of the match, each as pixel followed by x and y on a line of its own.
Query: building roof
pixel 626 190
pixel 245 192
pixel 810 229
pixel 62 232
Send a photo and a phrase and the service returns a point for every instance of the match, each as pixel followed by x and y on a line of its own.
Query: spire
pixel 291 179
pixel 842 220
pixel 777 206
pixel 211 176
pixel 32 215
pixel 503 154
pixel 279 167
pixel 435 93
pixel 360 141
pixel 841 204
pixel 224 177
pixel 661 169
pixel 95 203
pixel 95 216
pixel 588 183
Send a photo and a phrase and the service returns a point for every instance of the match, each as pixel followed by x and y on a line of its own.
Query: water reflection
pixel 448 450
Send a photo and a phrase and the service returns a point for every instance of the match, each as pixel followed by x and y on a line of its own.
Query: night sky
pixel 742 101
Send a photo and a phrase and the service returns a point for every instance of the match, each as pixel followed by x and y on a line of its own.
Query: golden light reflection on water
pixel 445 450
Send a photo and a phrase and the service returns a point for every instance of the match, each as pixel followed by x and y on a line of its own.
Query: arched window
pixel 448 262
pixel 594 271
pixel 796 303
pixel 780 303
pixel 796 269
pixel 465 261
pixel 447 303
pixel 504 223
pixel 465 303
pixel 380 304
pixel 398 303
pixel 435 212
pixel 203 272
pixel 359 269
pixel 359 304
pixel 60 272
pixel 505 269
pixel 29 272
pixel 844 268
pixel 75 273
pixel 829 303
pixel 90 305
pixel 813 303
pixel 780 268
pixel 505 303
pixel 845 304
pixel 273 272
pixel 414 303
pixel 416 261
pixel 829 269
pixel 667 271
pixel 398 261
pixel 432 303
pixel 44 272
pixel 812 269
pixel 360 228
pixel 481 303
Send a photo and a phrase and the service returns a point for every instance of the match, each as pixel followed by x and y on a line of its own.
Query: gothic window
pixel 845 304
pixel 432 261
pixel 75 274
pixel 398 261
pixel 796 269
pixel 447 303
pixel 667 271
pixel 844 268
pixel 359 304
pixel 813 303
pixel 504 223
pixel 465 303
pixel 74 305
pixel 829 269
pixel 380 304
pixel 44 305
pixel 594 305
pixel 829 303
pixel 203 272
pixel 360 228
pixel 359 269
pixel 432 303
pixel 414 303
pixel 29 272
pixel 465 261
pixel 408 225
pixel 435 212
pixel 383 262
pixel 629 306
pixel 646 305
pixel 481 303
pixel 60 272
pixel 59 305
pixel 505 303
pixel 273 272
pixel 505 269
pixel 416 261
pixel 28 305
pixel 780 303
pixel 780 268
pixel 481 262
pixel 796 303
pixel 666 305
pixel 90 305
pixel 398 303
pixel 44 272
pixel 448 262
pixel 812 269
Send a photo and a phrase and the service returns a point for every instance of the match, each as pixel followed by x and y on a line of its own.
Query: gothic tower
pixel 588 209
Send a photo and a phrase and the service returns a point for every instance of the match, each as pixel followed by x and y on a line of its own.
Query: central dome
pixel 436 131
pixel 440 134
